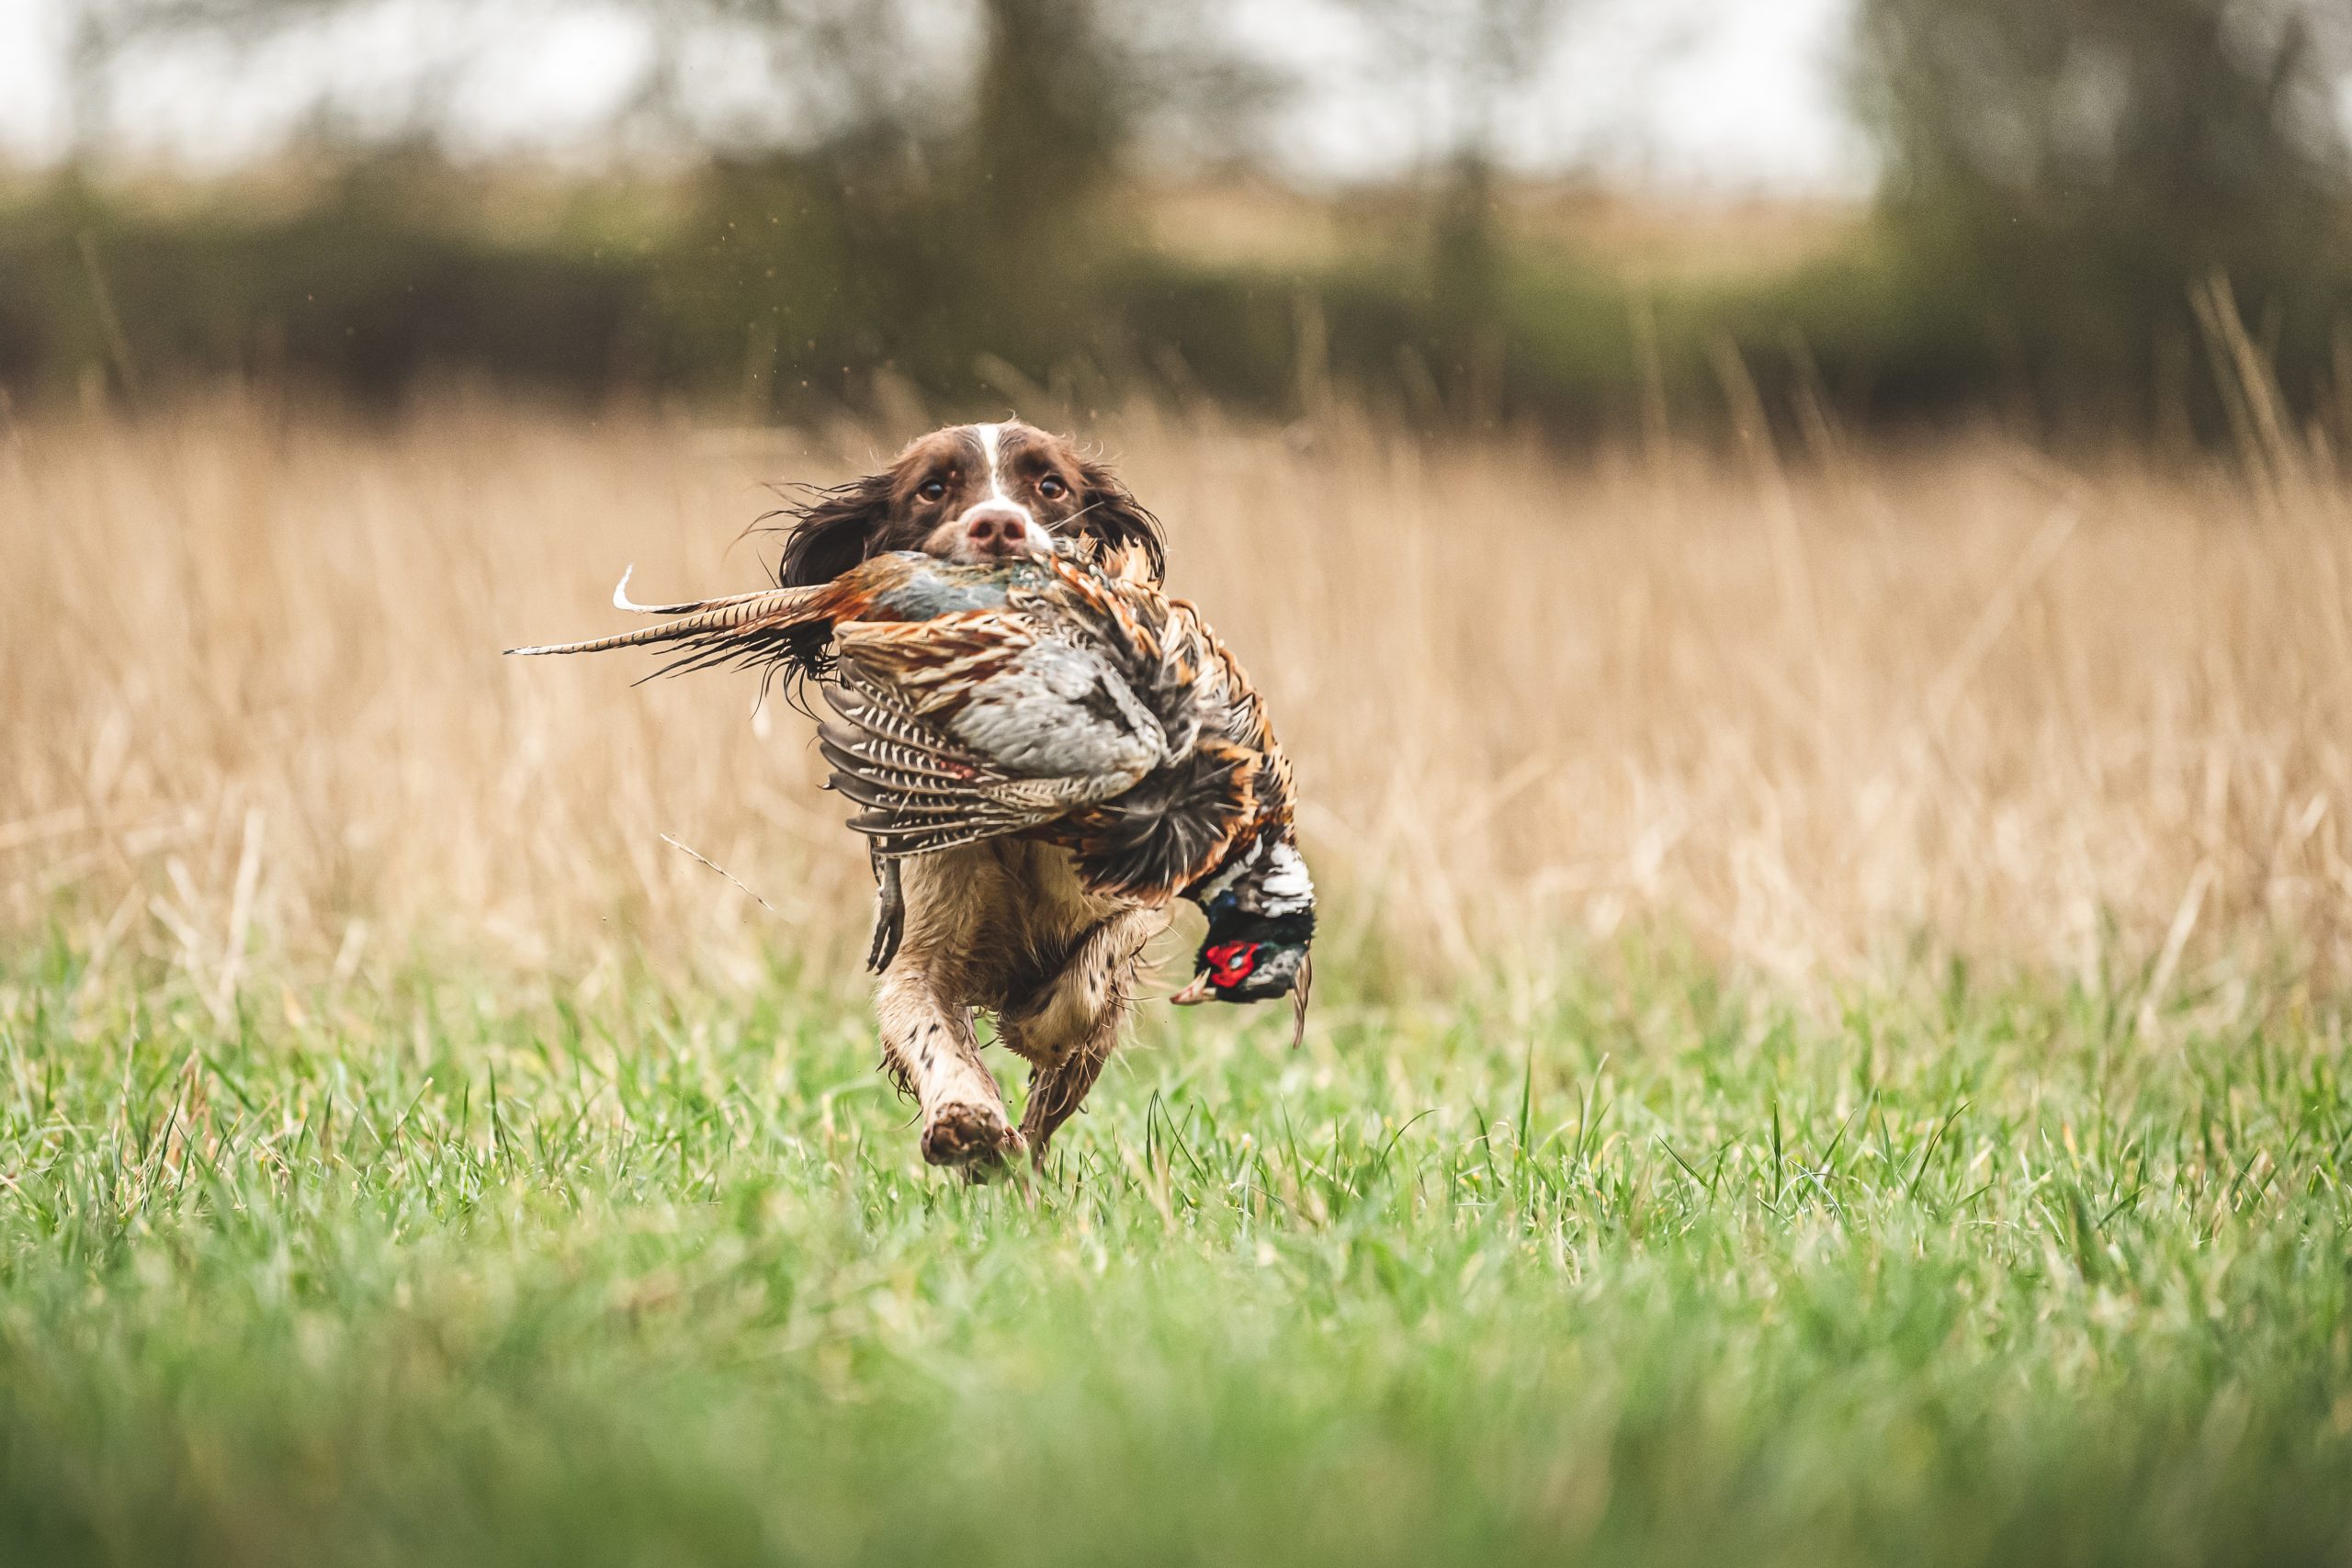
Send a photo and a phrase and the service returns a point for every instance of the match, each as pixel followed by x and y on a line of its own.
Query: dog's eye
pixel 1052 488
pixel 933 489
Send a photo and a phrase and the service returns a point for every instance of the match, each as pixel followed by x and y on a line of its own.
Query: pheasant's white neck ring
pixel 1286 888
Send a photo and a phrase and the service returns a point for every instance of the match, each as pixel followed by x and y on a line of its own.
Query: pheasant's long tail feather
pixel 621 601
pixel 709 629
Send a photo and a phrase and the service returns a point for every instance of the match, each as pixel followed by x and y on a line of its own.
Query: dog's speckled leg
pixel 930 1048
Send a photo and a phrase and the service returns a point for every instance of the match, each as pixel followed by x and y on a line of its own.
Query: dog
pixel 966 493
pixel 1004 927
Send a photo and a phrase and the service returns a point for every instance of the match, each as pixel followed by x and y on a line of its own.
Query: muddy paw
pixel 968 1134
pixel 1008 1164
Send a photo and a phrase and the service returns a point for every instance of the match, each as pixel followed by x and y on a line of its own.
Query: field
pixel 1829 1044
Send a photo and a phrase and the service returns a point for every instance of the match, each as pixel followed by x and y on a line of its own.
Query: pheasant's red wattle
pixel 1230 962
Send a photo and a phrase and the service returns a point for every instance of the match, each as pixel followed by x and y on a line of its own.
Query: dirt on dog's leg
pixel 1057 1088
pixel 1069 1027
pixel 928 1046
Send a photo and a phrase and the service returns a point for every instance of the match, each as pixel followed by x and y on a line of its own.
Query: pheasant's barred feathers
pixel 885 734
pixel 1034 708
pixel 912 782
pixel 709 618
pixel 1024 731
pixel 936 662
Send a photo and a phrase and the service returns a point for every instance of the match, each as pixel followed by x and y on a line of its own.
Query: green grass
pixel 1632 1267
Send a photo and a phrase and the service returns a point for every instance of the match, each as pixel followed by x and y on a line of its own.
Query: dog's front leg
pixel 928 1046
pixel 1069 1026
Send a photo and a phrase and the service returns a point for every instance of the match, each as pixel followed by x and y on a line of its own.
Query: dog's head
pixel 968 493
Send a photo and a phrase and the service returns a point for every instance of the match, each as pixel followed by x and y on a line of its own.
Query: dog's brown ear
pixel 834 531
pixel 1110 514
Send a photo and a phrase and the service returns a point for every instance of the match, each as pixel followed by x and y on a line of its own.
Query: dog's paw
pixel 968 1135
pixel 1010 1163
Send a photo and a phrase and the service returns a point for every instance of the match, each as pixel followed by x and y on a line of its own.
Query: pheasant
pixel 1057 700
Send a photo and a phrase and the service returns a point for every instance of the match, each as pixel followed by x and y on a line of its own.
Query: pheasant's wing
pixel 920 791
pixel 971 725
pixel 1162 836
pixel 1230 789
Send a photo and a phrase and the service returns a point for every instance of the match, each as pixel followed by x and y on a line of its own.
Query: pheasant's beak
pixel 1193 994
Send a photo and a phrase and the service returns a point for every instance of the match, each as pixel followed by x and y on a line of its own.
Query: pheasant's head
pixel 1261 906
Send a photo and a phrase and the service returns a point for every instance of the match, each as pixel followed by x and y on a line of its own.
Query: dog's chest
pixel 995 919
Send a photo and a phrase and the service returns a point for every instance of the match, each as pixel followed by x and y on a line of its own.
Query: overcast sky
pixel 1714 96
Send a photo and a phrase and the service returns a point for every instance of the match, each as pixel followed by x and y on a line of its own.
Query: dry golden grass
pixel 256 711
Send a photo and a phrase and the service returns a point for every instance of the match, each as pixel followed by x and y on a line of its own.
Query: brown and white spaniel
pixel 1005 926
pixel 965 494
